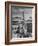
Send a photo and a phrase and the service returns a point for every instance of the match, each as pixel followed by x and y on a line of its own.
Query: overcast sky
pixel 19 12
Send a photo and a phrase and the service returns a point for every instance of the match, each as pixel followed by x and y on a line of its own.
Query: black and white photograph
pixel 21 22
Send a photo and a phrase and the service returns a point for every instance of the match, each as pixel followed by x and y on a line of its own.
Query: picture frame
pixel 20 22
